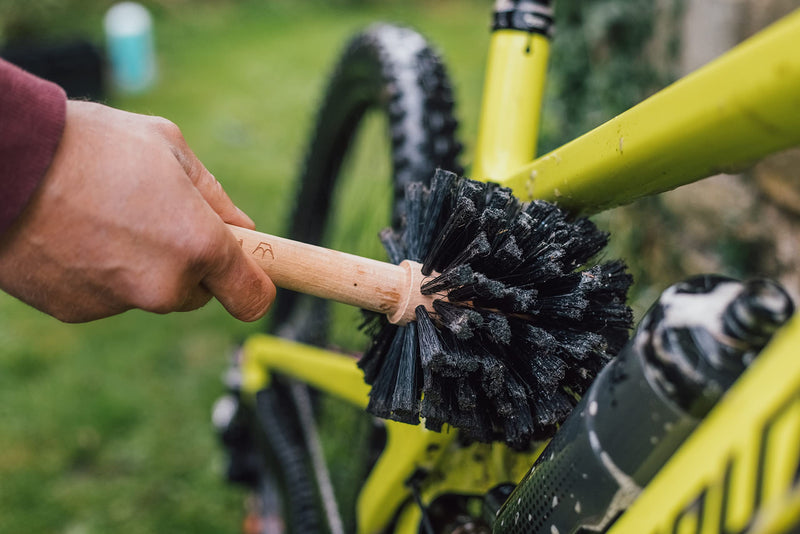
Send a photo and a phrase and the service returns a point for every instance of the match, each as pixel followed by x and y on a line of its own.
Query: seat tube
pixel 513 88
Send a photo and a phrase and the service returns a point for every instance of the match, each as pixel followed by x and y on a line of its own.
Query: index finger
pixel 205 182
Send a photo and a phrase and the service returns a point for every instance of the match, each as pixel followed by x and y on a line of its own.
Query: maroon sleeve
pixel 32 114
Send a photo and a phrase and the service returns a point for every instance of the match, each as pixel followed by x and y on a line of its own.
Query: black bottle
pixel 687 351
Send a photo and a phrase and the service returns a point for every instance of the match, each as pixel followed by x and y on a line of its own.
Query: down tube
pixel 740 470
pixel 723 117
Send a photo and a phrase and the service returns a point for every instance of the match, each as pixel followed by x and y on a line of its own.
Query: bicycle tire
pixel 395 71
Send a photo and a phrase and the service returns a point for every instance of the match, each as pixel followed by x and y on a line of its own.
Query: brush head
pixel 521 322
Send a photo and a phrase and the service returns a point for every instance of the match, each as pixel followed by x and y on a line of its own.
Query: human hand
pixel 127 217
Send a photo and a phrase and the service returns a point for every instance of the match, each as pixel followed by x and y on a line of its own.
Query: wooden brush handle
pixel 329 274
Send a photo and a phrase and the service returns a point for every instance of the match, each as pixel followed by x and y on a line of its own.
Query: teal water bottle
pixel 129 41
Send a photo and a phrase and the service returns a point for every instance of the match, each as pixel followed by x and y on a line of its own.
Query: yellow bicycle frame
pixel 741 467
pixel 408 447
pixel 723 117
pixel 512 99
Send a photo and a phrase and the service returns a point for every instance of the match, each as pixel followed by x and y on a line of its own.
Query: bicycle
pixel 422 481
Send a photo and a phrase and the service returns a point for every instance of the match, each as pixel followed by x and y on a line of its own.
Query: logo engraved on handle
pixel 264 248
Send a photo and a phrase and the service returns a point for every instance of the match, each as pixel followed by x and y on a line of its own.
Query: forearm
pixel 32 115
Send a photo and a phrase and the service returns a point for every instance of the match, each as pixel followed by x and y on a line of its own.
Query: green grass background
pixel 105 427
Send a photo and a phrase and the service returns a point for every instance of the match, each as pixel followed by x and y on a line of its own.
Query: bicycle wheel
pixel 387 73
pixel 386 120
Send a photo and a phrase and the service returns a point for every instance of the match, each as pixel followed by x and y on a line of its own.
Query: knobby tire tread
pixel 392 69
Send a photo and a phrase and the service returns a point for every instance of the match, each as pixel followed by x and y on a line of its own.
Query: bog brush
pixel 491 317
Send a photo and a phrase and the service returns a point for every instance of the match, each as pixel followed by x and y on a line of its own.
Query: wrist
pixel 34 114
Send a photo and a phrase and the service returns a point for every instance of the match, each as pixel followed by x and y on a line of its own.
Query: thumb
pixel 238 283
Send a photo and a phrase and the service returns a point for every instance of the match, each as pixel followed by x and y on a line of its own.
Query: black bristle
pixel 479 288
pixel 499 330
pixel 405 399
pixel 413 235
pixel 484 292
pixel 579 345
pixel 430 345
pixel 474 191
pixel 508 254
pixel 536 341
pixel 499 198
pixel 393 245
pixel 460 320
pixel 521 323
pixel 373 359
pixel 382 393
pixel 459 228
pixel 439 356
pixel 494 379
pixel 467 397
pixel 478 248
pixel 563 301
pixel 492 220
pixel 455 277
pixel 550 371
pixel 585 241
pixel 442 185
pixel 454 231
pixel 551 411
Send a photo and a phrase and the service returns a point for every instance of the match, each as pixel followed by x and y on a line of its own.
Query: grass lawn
pixel 105 427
